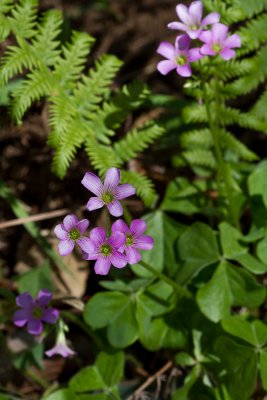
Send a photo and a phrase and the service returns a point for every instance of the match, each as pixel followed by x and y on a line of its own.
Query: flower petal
pixel 184 70
pixel 116 240
pixel 206 37
pixel 50 315
pixel 219 33
pixel 177 26
pixel 210 19
pixel 91 256
pixel 93 183
pixel 164 67
pixel 182 43
pixel 25 300
pixel 120 226
pixel 61 349
pixel 70 222
pixel 61 232
pixel 194 54
pixel 144 243
pixel 123 191
pixel 206 50
pixel 65 247
pixel 182 13
pixel 112 178
pixel 44 297
pixel 94 203
pixel 102 265
pixel 227 54
pixel 137 227
pixel 133 256
pixel 82 225
pixel 20 317
pixel 233 41
pixel 118 259
pixel 86 244
pixel 195 12
pixel 98 236
pixel 115 208
pixel 35 327
pixel 167 50
pixel 194 34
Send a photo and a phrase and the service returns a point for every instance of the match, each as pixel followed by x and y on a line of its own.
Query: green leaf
pixel 240 364
pixel 263 367
pixel 184 359
pixel 257 182
pixel 87 379
pixel 115 311
pixel 229 286
pixel 62 394
pixel 182 394
pixel 165 232
pixel 36 279
pixel 254 332
pixel 198 248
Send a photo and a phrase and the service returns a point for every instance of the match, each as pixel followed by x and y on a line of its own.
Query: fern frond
pixel 260 107
pixel 199 137
pixel 144 186
pixel 253 34
pixel 23 19
pixel 137 140
pixel 231 142
pixel 250 8
pixel 102 157
pixel 200 157
pixel 5 6
pixel 4 28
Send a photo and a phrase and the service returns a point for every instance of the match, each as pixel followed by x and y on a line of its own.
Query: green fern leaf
pixel 101 157
pixel 23 19
pixel 200 157
pixel 144 186
pixel 5 6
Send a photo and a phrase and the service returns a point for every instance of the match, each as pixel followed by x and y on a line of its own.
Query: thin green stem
pixel 108 221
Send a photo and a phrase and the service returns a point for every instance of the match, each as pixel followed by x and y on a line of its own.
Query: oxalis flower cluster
pixel 122 245
pixel 214 42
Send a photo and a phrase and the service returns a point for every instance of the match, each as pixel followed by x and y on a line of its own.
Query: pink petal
pixel 167 50
pixel 219 33
pixel 61 349
pixel 123 191
pixel 233 41
pixel 195 11
pixel 44 297
pixel 20 317
pixel 120 226
pixel 164 67
pixel 25 300
pixel 182 13
pixel 61 232
pixel 206 50
pixel 138 227
pixel 210 19
pixel 92 256
pixel 133 256
pixel 206 37
pixel 194 34
pixel 98 236
pixel 116 240
pixel 194 54
pixel 177 26
pixel 118 260
pixel 50 316
pixel 227 54
pixel 102 265
pixel 115 208
pixel 35 327
pixel 94 203
pixel 70 222
pixel 92 183
pixel 182 43
pixel 65 247
pixel 112 178
pixel 184 70
pixel 144 243
pixel 86 244
pixel 82 225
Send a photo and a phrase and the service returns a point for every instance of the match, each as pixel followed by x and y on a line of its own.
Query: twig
pixel 150 380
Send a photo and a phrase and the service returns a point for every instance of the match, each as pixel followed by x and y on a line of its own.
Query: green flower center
pixel 105 250
pixel 194 27
pixel 107 197
pixel 216 47
pixel 37 312
pixel 181 60
pixel 74 234
pixel 129 239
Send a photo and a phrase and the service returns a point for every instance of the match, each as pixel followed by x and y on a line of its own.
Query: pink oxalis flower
pixel 35 312
pixel 61 349
pixel 71 232
pixel 134 239
pixel 178 56
pixel 217 42
pixel 191 17
pixel 105 250
pixel 109 193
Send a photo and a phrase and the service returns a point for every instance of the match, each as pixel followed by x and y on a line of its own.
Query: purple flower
pixel 191 18
pixel 105 250
pixel 178 56
pixel 69 232
pixel 61 349
pixel 134 239
pixel 108 194
pixel 34 312
pixel 217 42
